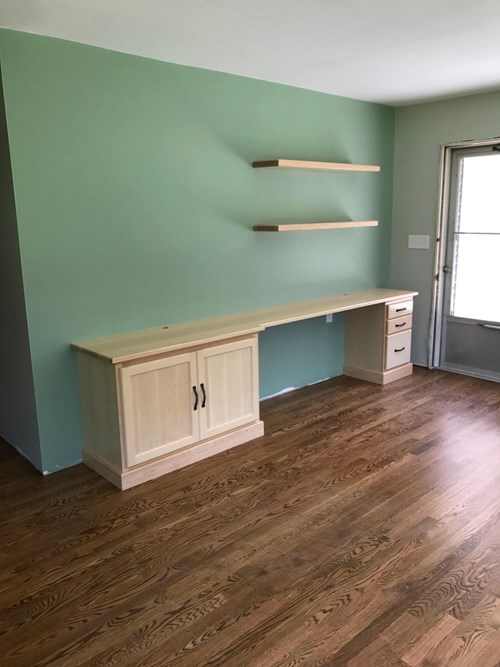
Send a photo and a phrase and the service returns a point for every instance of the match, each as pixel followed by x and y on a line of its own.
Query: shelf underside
pixel 311 226
pixel 281 163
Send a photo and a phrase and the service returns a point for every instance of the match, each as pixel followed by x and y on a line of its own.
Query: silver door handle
pixel 489 326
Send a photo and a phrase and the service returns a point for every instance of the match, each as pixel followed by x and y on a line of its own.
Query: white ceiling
pixel 390 51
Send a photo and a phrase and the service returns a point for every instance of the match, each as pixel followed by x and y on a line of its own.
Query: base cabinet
pixel 397 329
pixel 166 412
pixel 159 399
pixel 378 342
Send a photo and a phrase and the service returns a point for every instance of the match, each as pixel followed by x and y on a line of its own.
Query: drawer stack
pixel 398 322
pixel 378 342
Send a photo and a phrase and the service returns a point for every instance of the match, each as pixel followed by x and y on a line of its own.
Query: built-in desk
pixel 159 399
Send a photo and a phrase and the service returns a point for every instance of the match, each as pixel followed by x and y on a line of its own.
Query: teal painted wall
pixel 136 201
pixel 300 353
pixel 421 129
pixel 18 420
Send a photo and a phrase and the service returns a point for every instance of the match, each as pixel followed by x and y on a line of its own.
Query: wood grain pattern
pixel 157 407
pixel 364 338
pixel 229 376
pixel 99 406
pixel 363 530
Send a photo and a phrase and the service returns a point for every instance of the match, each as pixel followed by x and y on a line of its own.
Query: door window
pixel 475 292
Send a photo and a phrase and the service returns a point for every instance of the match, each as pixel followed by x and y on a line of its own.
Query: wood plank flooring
pixel 362 530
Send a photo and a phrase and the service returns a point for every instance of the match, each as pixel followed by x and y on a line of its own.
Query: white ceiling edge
pixel 392 52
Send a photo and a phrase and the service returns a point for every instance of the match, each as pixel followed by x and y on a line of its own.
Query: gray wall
pixel 18 423
pixel 420 130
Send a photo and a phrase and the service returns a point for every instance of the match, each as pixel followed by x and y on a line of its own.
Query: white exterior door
pixel 470 330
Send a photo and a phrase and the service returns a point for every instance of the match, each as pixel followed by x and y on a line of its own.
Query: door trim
pixel 435 330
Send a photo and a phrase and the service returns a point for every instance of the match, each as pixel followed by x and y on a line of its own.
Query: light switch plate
pixel 420 241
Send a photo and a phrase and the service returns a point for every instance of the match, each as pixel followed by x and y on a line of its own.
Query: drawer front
pixel 399 309
pixel 397 349
pixel 399 324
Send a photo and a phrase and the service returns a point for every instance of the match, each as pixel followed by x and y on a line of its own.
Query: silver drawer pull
pixel 400 325
pixel 400 349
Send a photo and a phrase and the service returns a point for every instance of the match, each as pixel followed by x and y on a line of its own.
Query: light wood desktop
pixel 162 398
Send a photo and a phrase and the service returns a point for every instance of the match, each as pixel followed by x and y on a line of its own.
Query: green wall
pixel 420 131
pixel 18 420
pixel 136 201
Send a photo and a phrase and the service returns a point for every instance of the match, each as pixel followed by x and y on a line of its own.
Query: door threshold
pixel 471 372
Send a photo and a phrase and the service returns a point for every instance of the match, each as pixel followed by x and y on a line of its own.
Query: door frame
pixel 438 293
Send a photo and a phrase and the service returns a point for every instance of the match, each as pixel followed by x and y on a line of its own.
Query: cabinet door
pixel 228 376
pixel 158 407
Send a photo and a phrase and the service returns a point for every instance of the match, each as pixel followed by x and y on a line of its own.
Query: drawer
pixel 399 309
pixel 399 324
pixel 397 349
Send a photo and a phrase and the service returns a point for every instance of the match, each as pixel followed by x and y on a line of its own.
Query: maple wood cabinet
pixel 148 410
pixel 378 342
pixel 170 403
pixel 159 399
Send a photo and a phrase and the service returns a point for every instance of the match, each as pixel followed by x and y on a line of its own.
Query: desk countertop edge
pixel 145 343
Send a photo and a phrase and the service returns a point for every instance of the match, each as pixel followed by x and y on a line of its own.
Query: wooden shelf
pixel 310 226
pixel 281 163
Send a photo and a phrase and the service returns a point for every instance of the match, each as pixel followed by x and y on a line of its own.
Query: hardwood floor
pixel 363 530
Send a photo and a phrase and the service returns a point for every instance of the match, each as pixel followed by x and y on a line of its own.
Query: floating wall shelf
pixel 308 226
pixel 281 163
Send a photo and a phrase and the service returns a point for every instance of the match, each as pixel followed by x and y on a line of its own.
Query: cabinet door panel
pixel 229 374
pixel 158 407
